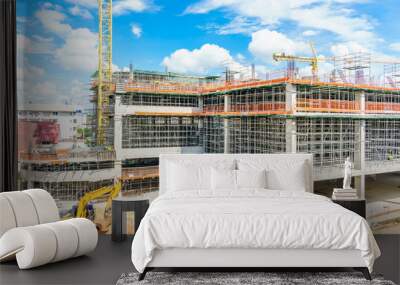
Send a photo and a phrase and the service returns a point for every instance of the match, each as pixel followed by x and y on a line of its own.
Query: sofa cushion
pixel 45 205
pixel 23 208
pixel 7 220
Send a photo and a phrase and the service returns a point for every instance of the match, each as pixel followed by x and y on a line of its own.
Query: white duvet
pixel 250 219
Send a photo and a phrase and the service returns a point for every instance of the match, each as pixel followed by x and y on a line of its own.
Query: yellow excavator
pixel 85 210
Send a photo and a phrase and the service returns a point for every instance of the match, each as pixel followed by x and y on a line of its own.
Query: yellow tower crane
pixel 313 61
pixel 104 68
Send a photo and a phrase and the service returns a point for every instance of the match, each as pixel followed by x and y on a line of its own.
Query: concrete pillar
pixel 200 101
pixel 360 98
pixel 226 135
pixel 359 184
pixel 291 137
pixel 359 157
pixel 118 136
pixel 227 101
pixel 290 98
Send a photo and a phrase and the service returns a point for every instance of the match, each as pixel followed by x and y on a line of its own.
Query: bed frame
pixel 242 259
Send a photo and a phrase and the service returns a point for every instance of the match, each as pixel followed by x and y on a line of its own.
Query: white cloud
pixel 332 16
pixel 79 50
pixel 207 58
pixel 117 68
pixel 238 25
pixel 310 33
pixel 45 89
pixel 265 42
pixel 78 92
pixel 346 48
pixel 339 21
pixel 136 30
pixel 53 21
pixel 78 11
pixel 34 45
pixel 84 3
pixel 395 46
pixel 21 19
pixel 26 70
pixel 121 7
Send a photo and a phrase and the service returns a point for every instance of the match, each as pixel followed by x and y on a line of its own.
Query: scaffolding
pixel 159 131
pixel 257 135
pixel 382 102
pixel 213 134
pixel 213 103
pixel 354 68
pixel 391 74
pixel 382 140
pixel 139 180
pixel 327 99
pixel 263 99
pixel 61 166
pixel 175 100
pixel 71 190
pixel 330 140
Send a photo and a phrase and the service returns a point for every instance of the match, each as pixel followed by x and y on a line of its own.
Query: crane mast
pixel 104 68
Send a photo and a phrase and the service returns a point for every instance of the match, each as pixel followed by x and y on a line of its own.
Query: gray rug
pixel 240 278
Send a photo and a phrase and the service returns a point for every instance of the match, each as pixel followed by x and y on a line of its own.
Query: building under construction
pixel 345 115
pixel 149 113
pixel 140 114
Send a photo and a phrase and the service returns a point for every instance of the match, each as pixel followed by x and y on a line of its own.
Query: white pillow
pixel 183 177
pixel 223 179
pixel 286 174
pixel 251 178
pixel 193 175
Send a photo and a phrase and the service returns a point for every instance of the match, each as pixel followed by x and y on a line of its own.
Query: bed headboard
pixel 212 158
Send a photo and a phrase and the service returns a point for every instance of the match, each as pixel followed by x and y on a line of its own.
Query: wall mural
pixel 92 127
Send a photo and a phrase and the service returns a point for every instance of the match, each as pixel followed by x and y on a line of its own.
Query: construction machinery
pixel 291 59
pixel 85 209
pixel 104 81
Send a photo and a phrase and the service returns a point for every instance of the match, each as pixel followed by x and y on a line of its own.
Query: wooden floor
pixel 110 260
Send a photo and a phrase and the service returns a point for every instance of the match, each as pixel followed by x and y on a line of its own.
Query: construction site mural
pixel 100 98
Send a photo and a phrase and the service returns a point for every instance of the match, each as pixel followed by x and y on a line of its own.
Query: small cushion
pixel 251 179
pixel 286 174
pixel 183 177
pixel 223 179
pixel 192 175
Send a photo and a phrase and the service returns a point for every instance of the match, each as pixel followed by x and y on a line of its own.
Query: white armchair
pixel 31 230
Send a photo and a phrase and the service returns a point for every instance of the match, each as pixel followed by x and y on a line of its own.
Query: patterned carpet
pixel 243 278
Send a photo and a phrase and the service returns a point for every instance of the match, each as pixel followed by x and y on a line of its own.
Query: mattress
pixel 250 219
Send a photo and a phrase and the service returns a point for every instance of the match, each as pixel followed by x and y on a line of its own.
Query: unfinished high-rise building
pixel 343 115
pixel 145 113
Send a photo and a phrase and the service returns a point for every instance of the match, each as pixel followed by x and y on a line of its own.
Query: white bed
pixel 280 225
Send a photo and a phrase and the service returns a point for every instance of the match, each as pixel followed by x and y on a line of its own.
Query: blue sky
pixel 57 39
